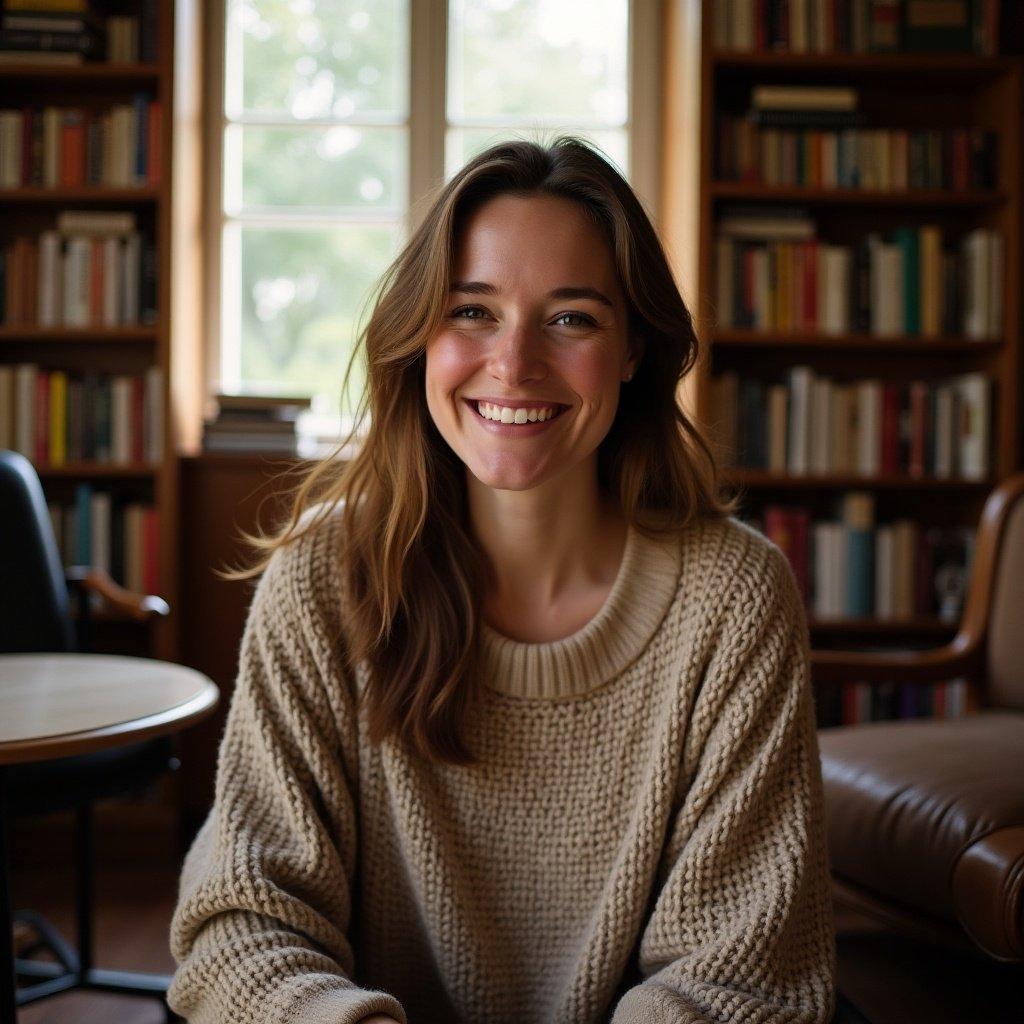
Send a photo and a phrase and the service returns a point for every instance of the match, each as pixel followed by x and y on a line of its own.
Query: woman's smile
pixel 515 419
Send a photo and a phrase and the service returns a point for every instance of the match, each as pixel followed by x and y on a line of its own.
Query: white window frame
pixel 427 125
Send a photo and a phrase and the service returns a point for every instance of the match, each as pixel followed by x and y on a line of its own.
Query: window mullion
pixel 428 38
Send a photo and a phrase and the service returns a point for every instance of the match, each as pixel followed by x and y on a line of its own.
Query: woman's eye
pixel 457 314
pixel 584 321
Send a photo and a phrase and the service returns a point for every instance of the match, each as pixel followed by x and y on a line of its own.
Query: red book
pixel 890 428
pixel 760 26
pixel 939 700
pixel 918 427
pixel 150 552
pixel 96 271
pixel 138 400
pixel 800 529
pixel 42 417
pixel 72 148
pixel 849 703
pixel 153 140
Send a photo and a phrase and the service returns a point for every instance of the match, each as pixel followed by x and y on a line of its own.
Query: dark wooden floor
pixel 891 980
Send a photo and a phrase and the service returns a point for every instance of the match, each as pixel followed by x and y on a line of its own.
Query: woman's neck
pixel 553 552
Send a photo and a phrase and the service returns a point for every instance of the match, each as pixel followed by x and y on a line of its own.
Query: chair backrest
pixel 1005 655
pixel 35 612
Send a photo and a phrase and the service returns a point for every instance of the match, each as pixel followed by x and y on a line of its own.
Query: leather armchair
pixel 925 818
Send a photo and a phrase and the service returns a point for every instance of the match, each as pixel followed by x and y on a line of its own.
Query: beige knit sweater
pixel 642 840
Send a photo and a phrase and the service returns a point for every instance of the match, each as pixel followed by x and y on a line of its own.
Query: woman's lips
pixel 517 429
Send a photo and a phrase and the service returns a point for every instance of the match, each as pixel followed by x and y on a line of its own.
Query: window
pixel 338 115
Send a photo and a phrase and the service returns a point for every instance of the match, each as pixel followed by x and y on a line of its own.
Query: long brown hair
pixel 413 574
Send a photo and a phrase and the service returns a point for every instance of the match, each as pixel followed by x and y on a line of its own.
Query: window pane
pixel 344 167
pixel 462 144
pixel 317 58
pixel 557 58
pixel 300 294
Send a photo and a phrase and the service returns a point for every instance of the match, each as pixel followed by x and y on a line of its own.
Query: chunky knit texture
pixel 641 843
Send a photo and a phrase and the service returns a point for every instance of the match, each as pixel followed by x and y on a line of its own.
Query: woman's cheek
pixel 451 358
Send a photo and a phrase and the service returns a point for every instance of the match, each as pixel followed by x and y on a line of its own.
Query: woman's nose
pixel 518 354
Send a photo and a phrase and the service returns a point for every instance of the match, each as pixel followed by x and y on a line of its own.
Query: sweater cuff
pixel 338 1005
pixel 645 1004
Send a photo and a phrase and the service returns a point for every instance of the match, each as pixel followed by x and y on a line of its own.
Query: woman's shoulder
pixel 736 561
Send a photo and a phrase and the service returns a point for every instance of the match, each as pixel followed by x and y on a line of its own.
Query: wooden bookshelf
pixel 167 212
pixel 907 90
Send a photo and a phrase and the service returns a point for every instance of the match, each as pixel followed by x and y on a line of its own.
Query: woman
pixel 522 729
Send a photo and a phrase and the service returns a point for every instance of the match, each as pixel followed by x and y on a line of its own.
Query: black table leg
pixel 7 977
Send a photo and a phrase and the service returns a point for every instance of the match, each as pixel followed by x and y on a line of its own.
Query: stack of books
pixel 255 423
pixel 51 32
pixel 856 26
pixel 816 137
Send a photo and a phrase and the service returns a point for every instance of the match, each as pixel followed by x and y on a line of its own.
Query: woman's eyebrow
pixel 568 292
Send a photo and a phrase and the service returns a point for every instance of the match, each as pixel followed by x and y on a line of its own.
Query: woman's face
pixel 535 331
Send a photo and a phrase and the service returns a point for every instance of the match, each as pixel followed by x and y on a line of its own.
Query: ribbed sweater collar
pixel 574 665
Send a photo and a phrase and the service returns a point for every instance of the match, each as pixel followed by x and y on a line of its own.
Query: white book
pixel 887 289
pixel 6 406
pixel 869 427
pixel 154 414
pixel 113 274
pixel 132 264
pixel 83 272
pixel 974 426
pixel 120 418
pixel 974 251
pixel 25 385
pixel 99 529
pixel 49 285
pixel 801 379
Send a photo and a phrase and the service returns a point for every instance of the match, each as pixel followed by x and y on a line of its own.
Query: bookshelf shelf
pixel 898 65
pixel 756 478
pixel 753 192
pixel 838 342
pixel 72 74
pixel 85 194
pixel 918 625
pixel 79 335
pixel 98 470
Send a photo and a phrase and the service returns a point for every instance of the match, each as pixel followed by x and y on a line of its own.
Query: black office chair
pixel 35 616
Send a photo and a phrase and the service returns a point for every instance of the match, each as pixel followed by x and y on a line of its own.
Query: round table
pixel 59 705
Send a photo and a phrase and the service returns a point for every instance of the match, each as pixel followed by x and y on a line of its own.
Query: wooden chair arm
pixel 97 581
pixel 962 656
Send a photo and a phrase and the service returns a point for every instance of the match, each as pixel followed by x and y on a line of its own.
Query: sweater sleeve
pixel 741 926
pixel 259 930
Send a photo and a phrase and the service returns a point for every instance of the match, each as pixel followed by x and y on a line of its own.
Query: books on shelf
pixel 773 273
pixel 815 152
pixel 72 35
pixel 810 424
pixel 94 269
pixel 110 532
pixel 57 416
pixel 851 703
pixel 67 147
pixel 248 423
pixel 856 26
pixel 850 566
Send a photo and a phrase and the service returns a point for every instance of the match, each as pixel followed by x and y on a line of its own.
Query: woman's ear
pixel 636 353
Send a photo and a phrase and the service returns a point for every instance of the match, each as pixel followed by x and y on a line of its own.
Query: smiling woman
pixel 522 730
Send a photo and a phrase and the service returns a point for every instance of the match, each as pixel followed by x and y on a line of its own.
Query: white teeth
pixel 504 414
